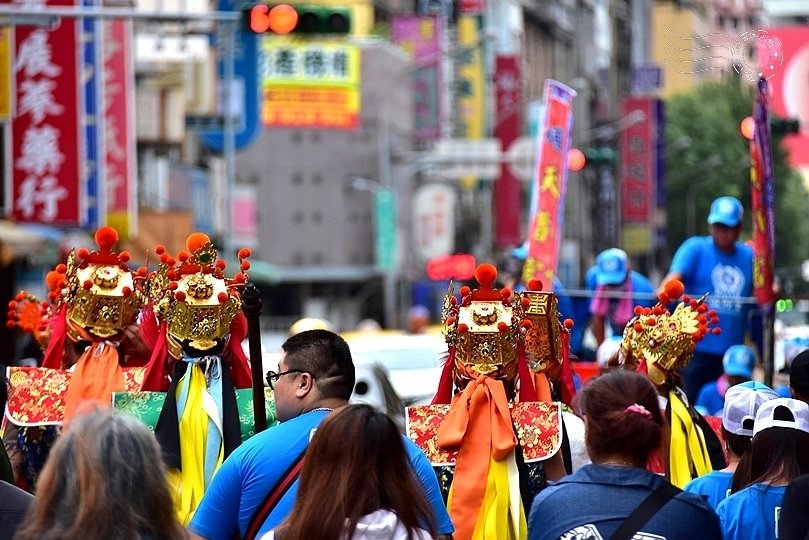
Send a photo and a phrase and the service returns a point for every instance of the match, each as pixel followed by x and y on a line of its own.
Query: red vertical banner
pixel 762 191
pixel 550 179
pixel 507 193
pixel 119 151
pixel 638 147
pixel 45 168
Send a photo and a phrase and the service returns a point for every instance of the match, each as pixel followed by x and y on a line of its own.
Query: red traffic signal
pixel 284 19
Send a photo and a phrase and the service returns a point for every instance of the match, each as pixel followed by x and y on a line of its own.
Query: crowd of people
pixel 508 449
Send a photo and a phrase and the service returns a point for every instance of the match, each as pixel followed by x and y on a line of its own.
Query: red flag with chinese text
pixel 762 191
pixel 550 180
pixel 45 169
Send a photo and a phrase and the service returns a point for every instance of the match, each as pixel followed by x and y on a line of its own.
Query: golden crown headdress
pixel 496 333
pixel 659 341
pixel 98 289
pixel 193 295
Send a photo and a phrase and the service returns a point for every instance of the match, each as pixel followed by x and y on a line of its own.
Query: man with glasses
pixel 255 488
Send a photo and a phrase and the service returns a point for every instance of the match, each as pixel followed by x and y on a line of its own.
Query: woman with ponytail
pixel 623 426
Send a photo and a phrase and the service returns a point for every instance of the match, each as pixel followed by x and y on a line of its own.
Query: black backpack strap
pixel 644 512
pixel 271 500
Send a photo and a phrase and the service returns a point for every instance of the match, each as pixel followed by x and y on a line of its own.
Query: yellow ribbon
pixel 688 453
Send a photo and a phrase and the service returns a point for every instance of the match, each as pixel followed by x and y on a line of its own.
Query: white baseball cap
pixel 742 401
pixel 795 413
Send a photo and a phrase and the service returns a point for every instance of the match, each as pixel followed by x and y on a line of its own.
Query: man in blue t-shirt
pixel 315 375
pixel 617 290
pixel 720 265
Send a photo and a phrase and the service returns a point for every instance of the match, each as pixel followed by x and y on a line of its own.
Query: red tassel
pixel 149 329
pixel 240 374
pixel 567 388
pixel 55 353
pixel 444 394
pixel 527 390
pixel 154 377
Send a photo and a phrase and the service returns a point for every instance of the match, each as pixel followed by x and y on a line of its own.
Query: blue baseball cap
pixel 612 265
pixel 726 211
pixel 739 361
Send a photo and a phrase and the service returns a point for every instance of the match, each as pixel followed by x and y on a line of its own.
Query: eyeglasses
pixel 272 377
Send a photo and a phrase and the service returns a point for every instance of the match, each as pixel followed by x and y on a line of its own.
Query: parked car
pixel 413 362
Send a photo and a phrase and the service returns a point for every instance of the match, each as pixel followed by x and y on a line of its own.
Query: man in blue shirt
pixel 720 265
pixel 738 364
pixel 618 289
pixel 315 375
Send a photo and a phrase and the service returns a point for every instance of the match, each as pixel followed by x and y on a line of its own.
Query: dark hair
pixel 611 427
pixel 327 357
pixel 779 451
pixel 104 479
pixel 799 374
pixel 356 464
pixel 739 445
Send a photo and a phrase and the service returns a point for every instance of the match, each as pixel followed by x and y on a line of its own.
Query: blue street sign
pixel 246 77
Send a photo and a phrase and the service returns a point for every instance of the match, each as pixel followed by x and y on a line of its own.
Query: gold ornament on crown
pixel 193 295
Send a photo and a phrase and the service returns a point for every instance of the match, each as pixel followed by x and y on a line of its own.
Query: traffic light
pixel 284 19
pixel 600 156
pixel 785 126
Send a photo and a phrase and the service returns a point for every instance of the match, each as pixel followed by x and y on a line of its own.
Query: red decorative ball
pixel 464 290
pixel 171 274
pixel 20 297
pixel 182 256
pixel 245 253
pixel 502 327
pixel 106 237
pixel 663 297
pixel 179 296
pixel 651 321
pixel 11 314
pixel 142 271
pixel 463 328
pixel 638 310
pixel 173 286
pixel 221 264
pixel 525 302
pixel 450 320
pixel 245 266
pixel 87 284
pixel 52 295
pixel 674 288
pixel 717 331
pixel 240 278
pixel 61 268
pixel 10 324
pixel 527 324
pixel 196 240
pixel 160 249
pixel 222 297
pixel 505 293
pixel 485 274
pixel 687 299
pixel 124 256
pixel 12 304
pixel 126 291
pixel 171 261
pixel 535 285
pixel 569 323
pixel 82 253
pixel 638 327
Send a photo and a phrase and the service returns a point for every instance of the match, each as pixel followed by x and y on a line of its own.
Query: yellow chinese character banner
pixel 310 85
pixel 550 180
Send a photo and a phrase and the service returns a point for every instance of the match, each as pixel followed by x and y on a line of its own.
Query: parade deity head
pixel 497 334
pixel 98 290
pixel 194 297
pixel 657 341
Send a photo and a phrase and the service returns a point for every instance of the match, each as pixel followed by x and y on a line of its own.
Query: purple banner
pixel 421 38
pixel 762 190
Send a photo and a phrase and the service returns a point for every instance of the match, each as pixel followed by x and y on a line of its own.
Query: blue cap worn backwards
pixel 726 211
pixel 613 266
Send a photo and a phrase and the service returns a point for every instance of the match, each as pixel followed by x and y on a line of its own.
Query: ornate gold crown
pixel 193 296
pixel 661 341
pixel 486 330
pixel 544 337
pixel 98 289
